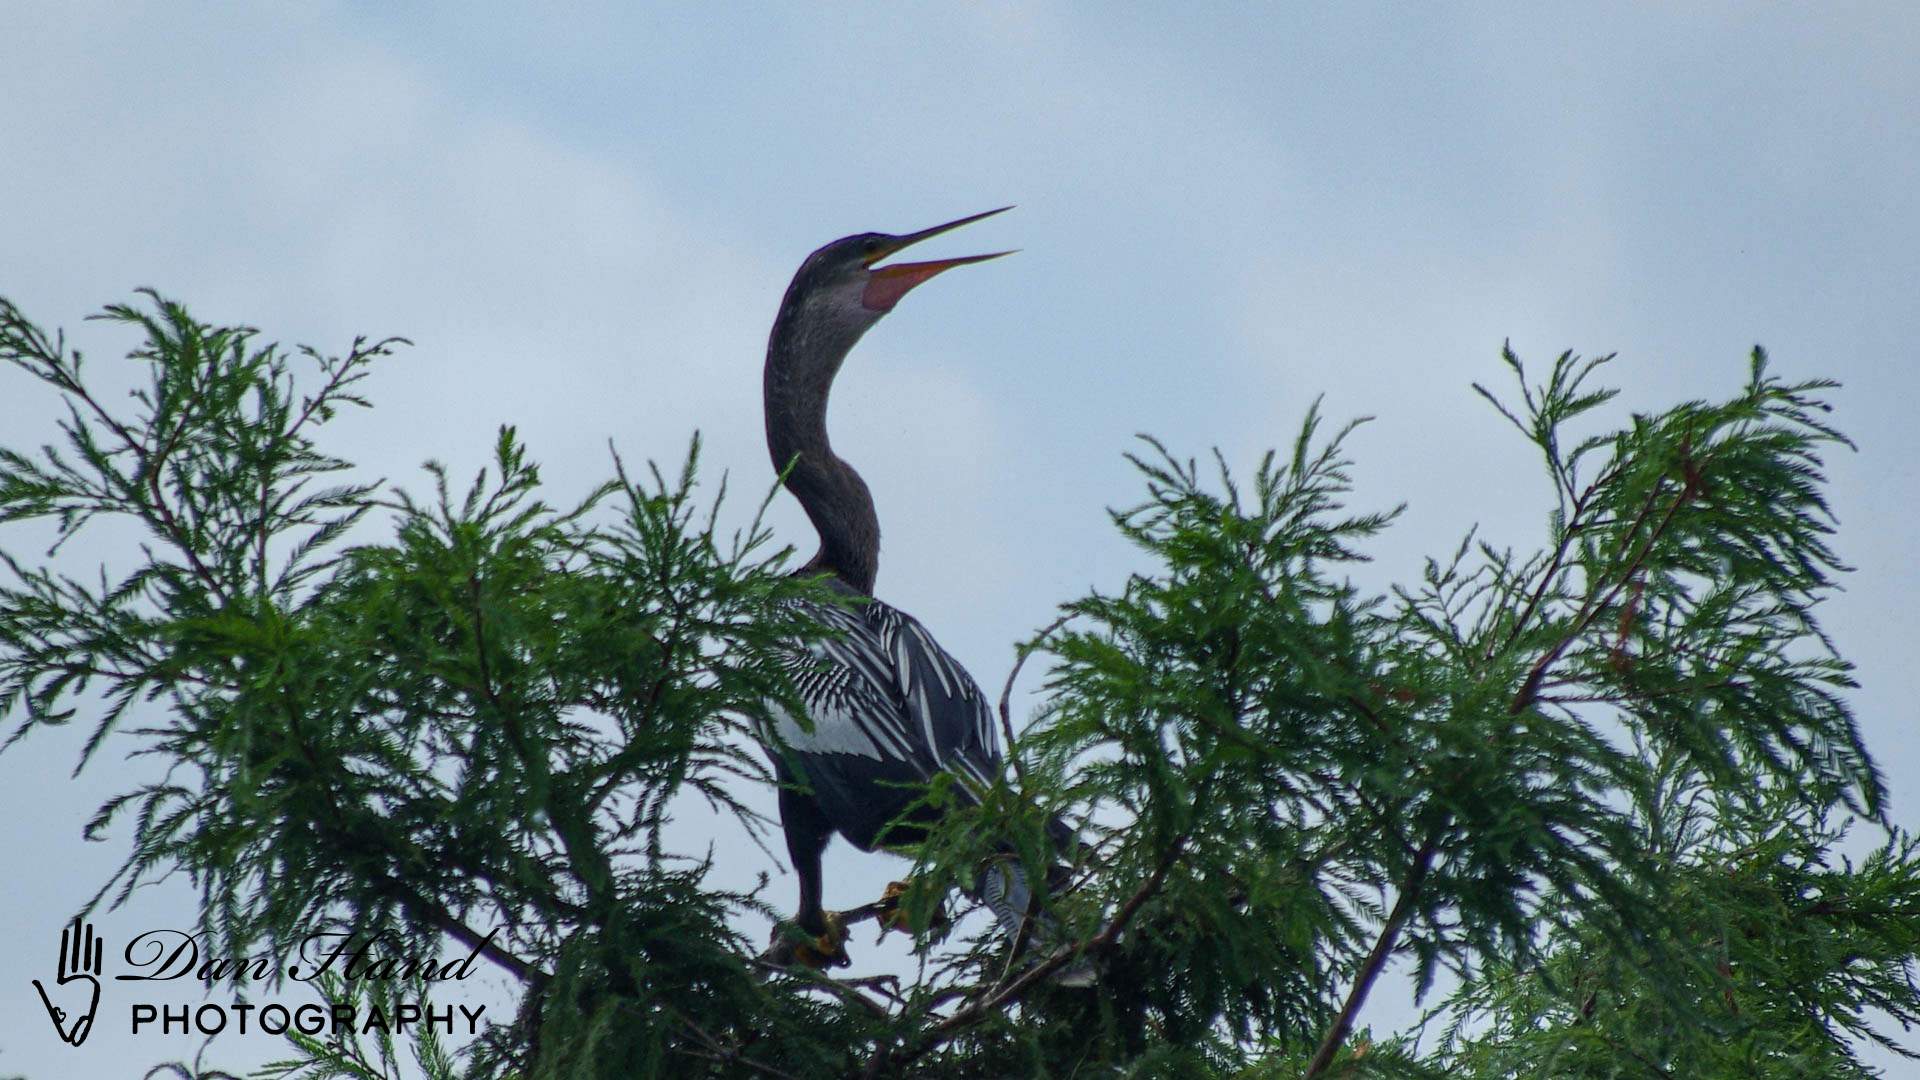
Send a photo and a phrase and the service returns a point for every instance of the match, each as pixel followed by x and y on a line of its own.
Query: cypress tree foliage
pixel 472 726
pixel 1601 785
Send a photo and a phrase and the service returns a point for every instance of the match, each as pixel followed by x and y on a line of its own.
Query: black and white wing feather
pixel 889 709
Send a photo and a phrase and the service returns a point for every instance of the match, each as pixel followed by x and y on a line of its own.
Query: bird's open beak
pixel 887 284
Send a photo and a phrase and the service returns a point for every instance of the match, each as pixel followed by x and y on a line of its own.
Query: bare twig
pixel 1006 692
pixel 846 990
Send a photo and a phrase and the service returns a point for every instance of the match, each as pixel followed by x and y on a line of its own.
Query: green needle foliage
pixel 1602 787
pixel 470 729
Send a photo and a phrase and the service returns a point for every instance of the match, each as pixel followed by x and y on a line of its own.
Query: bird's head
pixel 846 284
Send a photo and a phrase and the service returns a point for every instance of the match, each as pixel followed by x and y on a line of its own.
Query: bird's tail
pixel 1004 890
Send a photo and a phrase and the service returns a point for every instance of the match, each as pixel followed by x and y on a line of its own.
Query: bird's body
pixel 887 708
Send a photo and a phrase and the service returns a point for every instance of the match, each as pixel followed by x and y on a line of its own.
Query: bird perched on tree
pixel 888 707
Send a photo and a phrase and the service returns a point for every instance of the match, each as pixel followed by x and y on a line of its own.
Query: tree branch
pixel 1009 992
pixel 1006 692
pixel 1376 961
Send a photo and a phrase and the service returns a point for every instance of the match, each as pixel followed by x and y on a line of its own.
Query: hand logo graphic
pixel 80 969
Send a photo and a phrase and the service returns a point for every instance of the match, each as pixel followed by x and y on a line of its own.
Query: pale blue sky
pixel 585 220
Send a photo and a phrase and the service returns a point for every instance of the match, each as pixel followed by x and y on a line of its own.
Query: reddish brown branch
pixel 1376 961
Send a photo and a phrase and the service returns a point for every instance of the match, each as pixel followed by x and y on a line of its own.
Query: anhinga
pixel 889 708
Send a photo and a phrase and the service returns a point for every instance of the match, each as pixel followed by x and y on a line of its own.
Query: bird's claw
pixel 829 949
pixel 893 916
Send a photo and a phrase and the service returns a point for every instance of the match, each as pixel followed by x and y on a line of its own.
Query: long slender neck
pixel 803 356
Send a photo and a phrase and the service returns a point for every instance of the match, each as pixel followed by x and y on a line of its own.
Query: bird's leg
pixel 807 836
pixel 828 948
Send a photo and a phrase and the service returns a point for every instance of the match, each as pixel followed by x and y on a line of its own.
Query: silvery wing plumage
pixel 888 709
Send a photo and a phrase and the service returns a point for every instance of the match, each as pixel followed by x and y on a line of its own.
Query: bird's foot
pixel 893 914
pixel 825 950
